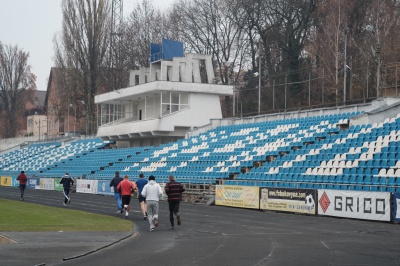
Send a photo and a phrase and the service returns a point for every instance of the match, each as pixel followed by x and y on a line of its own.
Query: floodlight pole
pixel 68 118
pixel 378 69
pixel 345 67
pixel 259 78
pixel 39 128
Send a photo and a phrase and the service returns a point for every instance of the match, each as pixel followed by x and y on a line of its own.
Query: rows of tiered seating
pixel 34 157
pixel 227 151
pixel 50 159
pixel 312 152
pixel 361 158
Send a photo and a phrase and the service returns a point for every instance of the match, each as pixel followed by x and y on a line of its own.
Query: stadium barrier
pixel 365 205
pixel 355 204
pixel 100 187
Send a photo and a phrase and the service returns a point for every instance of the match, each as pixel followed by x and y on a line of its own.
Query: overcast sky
pixel 31 24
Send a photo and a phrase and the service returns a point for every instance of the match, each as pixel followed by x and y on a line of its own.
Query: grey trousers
pixel 152 212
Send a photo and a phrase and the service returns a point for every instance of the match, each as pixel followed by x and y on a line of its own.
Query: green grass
pixel 18 216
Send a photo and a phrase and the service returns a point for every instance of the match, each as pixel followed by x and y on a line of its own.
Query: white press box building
pixel 162 103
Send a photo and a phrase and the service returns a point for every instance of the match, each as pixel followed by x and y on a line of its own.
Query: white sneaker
pixel 126 214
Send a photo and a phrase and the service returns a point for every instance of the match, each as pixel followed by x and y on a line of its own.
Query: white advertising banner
pixel 354 204
pixel 46 183
pixel 86 186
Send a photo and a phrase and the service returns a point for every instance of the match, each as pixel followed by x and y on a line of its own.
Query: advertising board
pixel 288 200
pixel 354 204
pixel 238 196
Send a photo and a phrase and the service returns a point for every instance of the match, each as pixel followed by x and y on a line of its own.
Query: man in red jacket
pixel 126 188
pixel 22 178
pixel 174 191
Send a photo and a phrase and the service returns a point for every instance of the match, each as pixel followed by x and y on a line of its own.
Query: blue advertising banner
pixel 33 182
pixel 104 188
pixel 396 207
pixel 15 182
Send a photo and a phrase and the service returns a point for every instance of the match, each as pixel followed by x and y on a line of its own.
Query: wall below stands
pixel 376 206
pixel 390 105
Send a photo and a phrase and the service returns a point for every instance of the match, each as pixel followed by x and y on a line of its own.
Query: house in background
pixel 62 118
pixel 34 122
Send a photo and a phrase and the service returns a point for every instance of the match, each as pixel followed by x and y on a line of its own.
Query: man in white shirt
pixel 152 192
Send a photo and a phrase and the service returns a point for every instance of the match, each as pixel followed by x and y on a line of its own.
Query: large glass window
pixel 150 107
pixel 174 102
pixel 112 112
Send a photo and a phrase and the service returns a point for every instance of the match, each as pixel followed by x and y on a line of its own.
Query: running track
pixel 209 235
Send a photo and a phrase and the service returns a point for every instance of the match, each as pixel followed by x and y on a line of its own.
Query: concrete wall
pixel 374 112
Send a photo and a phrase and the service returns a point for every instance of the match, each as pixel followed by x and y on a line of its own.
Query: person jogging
pixel 114 183
pixel 22 178
pixel 140 183
pixel 126 188
pixel 152 192
pixel 67 182
pixel 174 191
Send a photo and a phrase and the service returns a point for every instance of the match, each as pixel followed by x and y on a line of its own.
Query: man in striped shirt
pixel 174 191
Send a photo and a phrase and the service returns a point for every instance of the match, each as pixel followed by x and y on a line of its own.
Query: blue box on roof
pixel 155 52
pixel 166 51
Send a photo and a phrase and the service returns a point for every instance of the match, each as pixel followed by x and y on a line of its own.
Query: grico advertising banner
pixel 396 207
pixel 86 186
pixel 354 204
pixel 238 196
pixel 288 200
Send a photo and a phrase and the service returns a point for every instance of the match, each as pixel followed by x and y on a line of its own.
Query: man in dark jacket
pixel 174 191
pixel 114 183
pixel 67 182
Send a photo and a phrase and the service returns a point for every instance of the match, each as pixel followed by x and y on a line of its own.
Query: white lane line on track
pixel 326 246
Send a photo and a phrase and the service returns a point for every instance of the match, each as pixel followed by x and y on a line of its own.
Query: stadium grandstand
pixel 327 151
pixel 344 148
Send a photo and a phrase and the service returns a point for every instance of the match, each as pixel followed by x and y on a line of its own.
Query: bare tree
pixel 17 84
pixel 81 52
pixel 348 34
pixel 214 27
pixel 144 25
